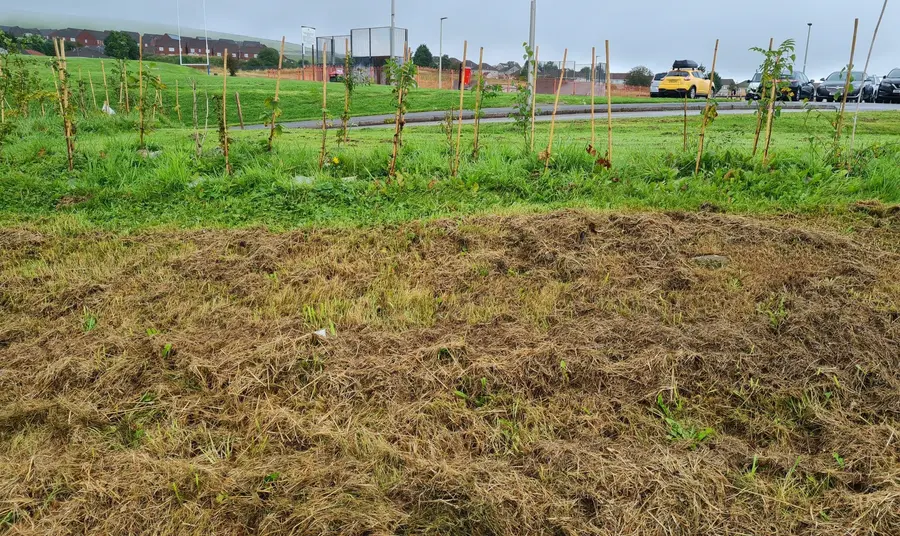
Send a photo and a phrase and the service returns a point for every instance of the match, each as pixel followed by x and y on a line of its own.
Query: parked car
pixel 685 80
pixel 753 88
pixel 795 86
pixel 832 87
pixel 889 88
pixel 654 85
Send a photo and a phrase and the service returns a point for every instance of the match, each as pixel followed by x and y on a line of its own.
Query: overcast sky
pixel 648 32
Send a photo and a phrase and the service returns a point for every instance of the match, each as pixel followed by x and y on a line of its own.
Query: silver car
pixel 654 85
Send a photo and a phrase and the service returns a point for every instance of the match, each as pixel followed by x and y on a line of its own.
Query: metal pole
pixel 806 54
pixel 531 34
pixel 178 18
pixel 206 35
pixel 441 56
pixel 393 15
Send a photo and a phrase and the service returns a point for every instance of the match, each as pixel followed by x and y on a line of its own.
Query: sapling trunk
pixel 840 119
pixel 275 110
pixel 609 135
pixel 177 102
pixel 125 84
pixel 462 95
pixel 770 116
pixel 324 104
pixel 348 89
pixel 537 50
pixel 105 86
pixel 684 136
pixel 93 95
pixel 197 142
pixel 706 111
pixel 223 123
pixel 65 103
pixel 866 73
pixel 562 74
pixel 240 110
pixel 593 145
pixel 759 107
pixel 478 96
pixel 141 91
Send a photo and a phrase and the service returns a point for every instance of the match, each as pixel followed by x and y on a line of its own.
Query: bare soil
pixel 565 373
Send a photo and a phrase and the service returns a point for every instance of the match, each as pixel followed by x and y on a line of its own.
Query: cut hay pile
pixel 568 373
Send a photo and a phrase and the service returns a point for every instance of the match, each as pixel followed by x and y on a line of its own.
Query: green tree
pixel 639 76
pixel 717 81
pixel 122 46
pixel 6 41
pixel 423 57
pixel 268 57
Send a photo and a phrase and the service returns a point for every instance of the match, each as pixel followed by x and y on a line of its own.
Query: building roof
pixel 86 52
pixel 101 36
pixel 67 32
pixel 728 82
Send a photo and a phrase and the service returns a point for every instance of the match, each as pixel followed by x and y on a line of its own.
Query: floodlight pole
pixel 178 17
pixel 441 56
pixel 531 42
pixel 206 36
pixel 393 16
pixel 806 54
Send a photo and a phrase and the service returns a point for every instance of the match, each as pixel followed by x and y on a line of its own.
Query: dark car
pixel 889 89
pixel 794 86
pixel 832 88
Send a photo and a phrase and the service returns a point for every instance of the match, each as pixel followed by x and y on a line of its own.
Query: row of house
pixel 154 44
pixel 169 45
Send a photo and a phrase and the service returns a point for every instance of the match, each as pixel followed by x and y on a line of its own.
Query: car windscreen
pixel 842 76
pixel 757 78
pixel 659 76
pixel 894 74
pixel 683 74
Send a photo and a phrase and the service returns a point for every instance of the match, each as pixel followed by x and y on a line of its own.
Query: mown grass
pixel 114 186
pixel 299 100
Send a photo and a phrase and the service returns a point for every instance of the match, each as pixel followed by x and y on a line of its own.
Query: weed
pixel 839 460
pixel 88 321
pixel 522 107
pixel 679 431
pixel 775 309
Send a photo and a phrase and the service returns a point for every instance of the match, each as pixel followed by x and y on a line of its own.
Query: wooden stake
pixel 64 104
pixel 224 126
pixel 141 90
pixel 537 51
pixel 685 122
pixel 347 68
pixel 275 101
pixel 562 73
pixel 324 104
pixel 125 84
pixel 178 101
pixel 712 78
pixel 196 126
pixel 840 121
pixel 865 73
pixel 240 111
pixel 462 95
pixel 478 100
pixel 81 93
pixel 609 138
pixel 93 95
pixel 105 86
pixel 759 114
pixel 593 96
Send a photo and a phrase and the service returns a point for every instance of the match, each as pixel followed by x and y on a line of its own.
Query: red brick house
pixel 68 34
pixel 251 49
pixel 196 46
pixel 164 45
pixel 90 38
pixel 220 45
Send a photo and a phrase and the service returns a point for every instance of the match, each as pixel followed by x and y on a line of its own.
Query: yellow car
pixel 685 80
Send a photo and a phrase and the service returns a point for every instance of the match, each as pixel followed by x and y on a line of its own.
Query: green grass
pixel 300 100
pixel 114 187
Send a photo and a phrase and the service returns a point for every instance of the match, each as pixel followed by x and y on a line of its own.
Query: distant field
pixel 299 100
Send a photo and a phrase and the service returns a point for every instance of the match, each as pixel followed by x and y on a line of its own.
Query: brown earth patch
pixel 566 373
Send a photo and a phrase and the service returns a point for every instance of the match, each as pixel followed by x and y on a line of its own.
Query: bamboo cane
pixel 865 73
pixel 840 121
pixel 125 85
pixel 324 104
pixel 275 101
pixel 64 91
pixel 347 68
pixel 177 101
pixel 462 95
pixel 93 95
pixel 609 137
pixel 141 90
pixel 224 125
pixel 478 100
pixel 105 86
pixel 759 112
pixel 240 110
pixel 81 93
pixel 712 78
pixel 593 97
pixel 685 123
pixel 196 126
pixel 562 73
pixel 770 116
pixel 534 95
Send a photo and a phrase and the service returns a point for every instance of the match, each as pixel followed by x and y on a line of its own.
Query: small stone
pixel 714 262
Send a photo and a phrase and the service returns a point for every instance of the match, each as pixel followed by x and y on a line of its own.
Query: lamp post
pixel 441 56
pixel 806 54
pixel 393 15
pixel 531 43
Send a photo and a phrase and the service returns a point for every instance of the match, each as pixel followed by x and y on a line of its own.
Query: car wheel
pixel 692 93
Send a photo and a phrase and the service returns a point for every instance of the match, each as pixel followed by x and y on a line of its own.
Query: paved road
pixel 579 113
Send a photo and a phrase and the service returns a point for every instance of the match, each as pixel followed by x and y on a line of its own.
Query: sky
pixel 652 33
